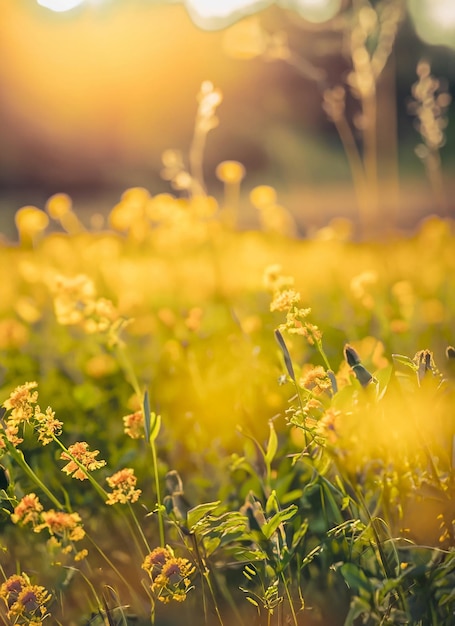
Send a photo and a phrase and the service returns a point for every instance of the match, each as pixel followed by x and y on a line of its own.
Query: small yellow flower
pixel 26 603
pixel 316 380
pixel 284 300
pixel 47 426
pixel 134 425
pixel 20 401
pixel 79 452
pixel 155 560
pixel 65 525
pixel 170 575
pixel 123 484
pixel 27 511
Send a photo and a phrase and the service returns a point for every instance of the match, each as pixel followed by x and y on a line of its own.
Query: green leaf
pixel 286 355
pixel 198 512
pixel 355 578
pixel 405 360
pixel 154 427
pixel 272 444
pixel 282 516
pixel 358 607
pixel 146 409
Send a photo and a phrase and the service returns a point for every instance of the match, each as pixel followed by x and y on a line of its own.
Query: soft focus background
pixel 93 91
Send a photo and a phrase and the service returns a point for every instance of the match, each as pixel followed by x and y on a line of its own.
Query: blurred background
pixel 93 91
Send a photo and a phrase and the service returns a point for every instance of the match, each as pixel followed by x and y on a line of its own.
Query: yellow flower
pixel 155 560
pixel 26 603
pixel 134 425
pixel 79 452
pixel 171 576
pixel 284 300
pixel 20 401
pixel 46 425
pixel 65 525
pixel 28 510
pixel 123 484
pixel 316 380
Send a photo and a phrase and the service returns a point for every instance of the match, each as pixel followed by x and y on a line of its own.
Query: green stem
pixel 138 526
pixel 288 595
pixel 101 492
pixel 158 494
pixel 18 456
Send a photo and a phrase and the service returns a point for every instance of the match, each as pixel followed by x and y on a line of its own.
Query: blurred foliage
pixel 317 468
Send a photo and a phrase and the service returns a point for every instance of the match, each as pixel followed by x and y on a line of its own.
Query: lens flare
pixel 317 11
pixel 59 6
pixel 209 14
pixel 434 21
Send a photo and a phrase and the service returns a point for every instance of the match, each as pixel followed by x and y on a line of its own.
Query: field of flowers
pixel 222 426
pixel 231 426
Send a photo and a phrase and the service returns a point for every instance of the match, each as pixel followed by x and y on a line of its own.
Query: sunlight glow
pixel 442 13
pixel 60 6
pixel 318 10
pixel 221 13
pixel 434 21
pixel 221 8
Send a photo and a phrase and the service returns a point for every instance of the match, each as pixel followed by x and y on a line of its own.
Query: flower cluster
pixel 63 528
pixel 76 304
pixel 134 425
pixel 23 409
pixel 79 455
pixel 123 484
pixel 286 299
pixel 170 575
pixel 26 603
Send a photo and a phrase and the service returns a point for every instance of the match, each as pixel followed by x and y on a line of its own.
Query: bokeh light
pixel 213 15
pixel 59 6
pixel 434 21
pixel 318 10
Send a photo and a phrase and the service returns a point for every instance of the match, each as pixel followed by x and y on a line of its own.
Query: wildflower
pixel 295 326
pixel 170 575
pixel 76 304
pixel 27 511
pixel 26 603
pixel 316 380
pixel 73 297
pixel 134 425
pixel 79 452
pixel 155 560
pixel 20 403
pixel 47 426
pixel 329 423
pixel 61 524
pixel 285 300
pixel 123 484
pixel 100 316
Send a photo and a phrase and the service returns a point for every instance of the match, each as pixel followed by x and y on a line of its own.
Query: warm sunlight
pixel 222 8
pixel 227 340
pixel 60 6
pixel 318 10
pixel 434 21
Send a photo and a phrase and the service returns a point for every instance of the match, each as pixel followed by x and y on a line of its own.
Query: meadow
pixel 225 425
pixel 199 421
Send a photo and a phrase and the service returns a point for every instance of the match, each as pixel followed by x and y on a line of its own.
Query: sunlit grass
pixel 278 444
pixel 228 427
